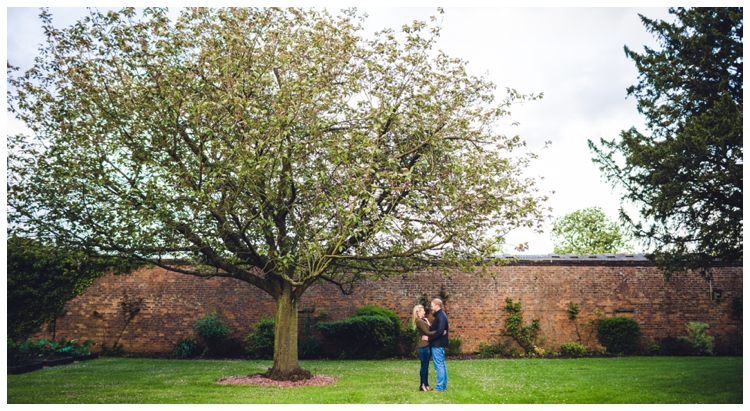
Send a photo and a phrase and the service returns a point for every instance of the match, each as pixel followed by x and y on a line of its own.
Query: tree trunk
pixel 285 362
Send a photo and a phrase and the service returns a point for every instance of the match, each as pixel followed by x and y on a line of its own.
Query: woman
pixel 420 323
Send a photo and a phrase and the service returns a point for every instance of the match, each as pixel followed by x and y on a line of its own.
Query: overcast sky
pixel 572 55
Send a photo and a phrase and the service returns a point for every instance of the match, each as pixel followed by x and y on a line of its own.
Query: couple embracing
pixel 432 342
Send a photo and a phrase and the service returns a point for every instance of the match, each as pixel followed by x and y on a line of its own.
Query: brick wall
pixel 172 302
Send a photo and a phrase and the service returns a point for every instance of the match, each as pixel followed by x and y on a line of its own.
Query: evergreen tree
pixel 685 174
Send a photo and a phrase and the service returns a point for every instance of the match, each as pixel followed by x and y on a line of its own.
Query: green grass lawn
pixel 625 380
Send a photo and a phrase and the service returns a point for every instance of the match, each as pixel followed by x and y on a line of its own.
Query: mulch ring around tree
pixel 259 379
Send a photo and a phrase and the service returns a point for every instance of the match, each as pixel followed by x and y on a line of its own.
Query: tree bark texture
pixel 285 363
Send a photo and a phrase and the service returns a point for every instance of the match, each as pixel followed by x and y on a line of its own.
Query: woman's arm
pixel 423 328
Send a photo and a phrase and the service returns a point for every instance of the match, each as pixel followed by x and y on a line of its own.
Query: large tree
pixel 274 146
pixel 589 231
pixel 685 174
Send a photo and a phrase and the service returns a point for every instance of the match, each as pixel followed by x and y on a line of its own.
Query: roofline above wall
pixel 622 260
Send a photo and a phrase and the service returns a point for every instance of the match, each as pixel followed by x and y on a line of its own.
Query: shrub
pixel 308 348
pixel 485 350
pixel 403 339
pixel 31 350
pixel 654 349
pixel 572 350
pixel 211 329
pixel 361 337
pixel 619 334
pixel 454 346
pixel 115 350
pixel 71 347
pixel 674 346
pixel 260 342
pixel 186 348
pixel 697 342
pixel 373 310
pixel 540 351
pixel 702 343
pixel 212 332
pixel 409 339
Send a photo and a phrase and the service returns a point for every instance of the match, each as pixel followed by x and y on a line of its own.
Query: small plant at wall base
pixel 260 341
pixel 703 344
pixel 572 350
pixel 454 346
pixel 619 334
pixel 525 335
pixel 212 332
pixel 697 342
pixel 186 348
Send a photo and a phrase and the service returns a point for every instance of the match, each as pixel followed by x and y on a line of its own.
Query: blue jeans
pixel 438 360
pixel 424 359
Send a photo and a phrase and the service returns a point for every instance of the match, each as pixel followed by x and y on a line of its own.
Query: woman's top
pixel 424 329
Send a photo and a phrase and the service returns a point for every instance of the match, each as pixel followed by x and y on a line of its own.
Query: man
pixel 438 342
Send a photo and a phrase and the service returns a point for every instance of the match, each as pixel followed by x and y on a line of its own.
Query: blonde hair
pixel 414 312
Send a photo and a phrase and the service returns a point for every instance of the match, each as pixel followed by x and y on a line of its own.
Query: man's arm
pixel 439 328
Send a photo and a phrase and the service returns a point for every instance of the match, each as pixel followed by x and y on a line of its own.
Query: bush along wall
pixel 697 342
pixel 619 335
pixel 260 341
pixel 212 339
pixel 371 333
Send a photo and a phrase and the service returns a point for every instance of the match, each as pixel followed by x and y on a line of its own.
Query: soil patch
pixel 259 379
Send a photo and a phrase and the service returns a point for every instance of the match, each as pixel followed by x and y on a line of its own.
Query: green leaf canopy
pixel 276 146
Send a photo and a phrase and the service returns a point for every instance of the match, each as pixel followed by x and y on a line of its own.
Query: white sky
pixel 573 55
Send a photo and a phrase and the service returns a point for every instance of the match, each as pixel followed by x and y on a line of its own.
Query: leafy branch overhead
pixel 262 139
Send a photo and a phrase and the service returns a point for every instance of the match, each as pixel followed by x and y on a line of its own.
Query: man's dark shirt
pixel 439 325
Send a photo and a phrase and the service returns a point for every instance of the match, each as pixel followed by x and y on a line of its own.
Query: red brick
pixel 172 302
